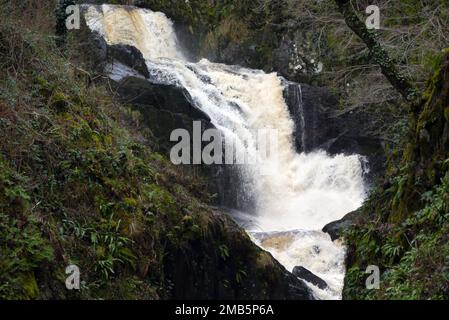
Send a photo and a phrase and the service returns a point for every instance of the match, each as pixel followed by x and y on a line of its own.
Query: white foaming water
pixel 292 191
pixel 312 250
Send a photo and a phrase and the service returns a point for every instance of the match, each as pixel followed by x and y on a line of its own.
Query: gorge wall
pixel 280 194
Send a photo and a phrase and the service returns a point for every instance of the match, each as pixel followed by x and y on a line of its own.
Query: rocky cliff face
pixel 314 110
pixel 293 38
pixel 320 124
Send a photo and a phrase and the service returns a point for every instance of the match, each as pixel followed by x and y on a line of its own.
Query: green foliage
pixel 22 247
pixel 77 185
pixel 414 256
pixel 224 252
pixel 240 276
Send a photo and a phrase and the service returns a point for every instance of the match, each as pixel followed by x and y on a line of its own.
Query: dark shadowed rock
pixel 291 62
pixel 309 276
pixel 201 270
pixel 336 228
pixel 164 97
pixel 311 109
pixel 129 56
pixel 320 125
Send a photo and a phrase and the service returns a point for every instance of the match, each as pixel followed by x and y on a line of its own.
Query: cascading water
pixel 293 200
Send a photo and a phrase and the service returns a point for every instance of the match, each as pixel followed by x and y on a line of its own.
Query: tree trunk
pixel 380 56
pixel 426 156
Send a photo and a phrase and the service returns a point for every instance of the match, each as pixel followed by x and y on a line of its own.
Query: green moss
pixel 23 249
pixel 30 286
pixel 59 101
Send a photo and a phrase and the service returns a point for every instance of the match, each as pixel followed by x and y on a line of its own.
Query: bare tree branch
pixel 379 55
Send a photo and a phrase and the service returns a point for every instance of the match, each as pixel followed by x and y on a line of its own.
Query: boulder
pixel 225 264
pixel 129 56
pixel 309 276
pixel 336 228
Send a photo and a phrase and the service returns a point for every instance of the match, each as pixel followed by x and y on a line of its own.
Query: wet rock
pixel 234 54
pixel 311 109
pixel 320 125
pixel 200 269
pixel 164 97
pixel 290 62
pixel 309 276
pixel 165 108
pixel 336 228
pixel 129 56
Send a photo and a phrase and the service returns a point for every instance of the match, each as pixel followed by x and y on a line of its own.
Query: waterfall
pixel 294 195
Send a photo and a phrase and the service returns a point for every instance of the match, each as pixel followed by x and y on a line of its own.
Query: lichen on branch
pixel 377 52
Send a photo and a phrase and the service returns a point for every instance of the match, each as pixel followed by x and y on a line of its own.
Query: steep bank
pixel 81 183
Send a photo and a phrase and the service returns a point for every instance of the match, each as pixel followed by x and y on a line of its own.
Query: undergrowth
pixel 413 256
pixel 79 182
